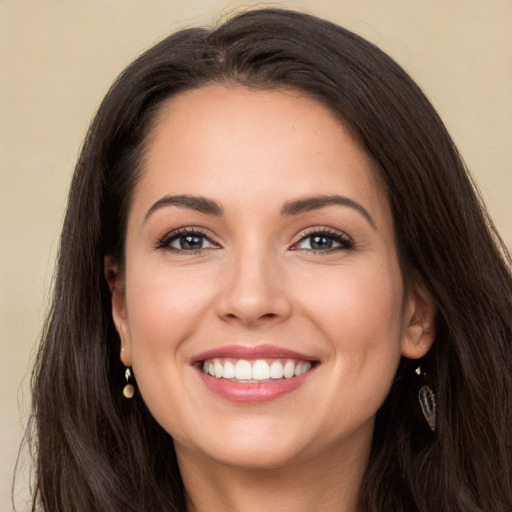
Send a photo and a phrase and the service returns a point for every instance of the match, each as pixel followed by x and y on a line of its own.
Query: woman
pixel 277 289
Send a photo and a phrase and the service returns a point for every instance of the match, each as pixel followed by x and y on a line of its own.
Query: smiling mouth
pixel 256 370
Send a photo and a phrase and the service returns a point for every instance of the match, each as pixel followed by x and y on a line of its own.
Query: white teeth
pixel 218 368
pixel 258 370
pixel 243 370
pixel 302 368
pixel 229 370
pixel 289 369
pixel 276 370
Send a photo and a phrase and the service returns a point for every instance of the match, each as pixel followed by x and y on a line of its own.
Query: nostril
pixel 252 305
pixel 248 319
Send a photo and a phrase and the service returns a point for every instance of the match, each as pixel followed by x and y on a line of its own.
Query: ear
pixel 115 280
pixel 419 321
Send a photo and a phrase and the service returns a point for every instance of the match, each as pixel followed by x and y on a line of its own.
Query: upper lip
pixel 251 352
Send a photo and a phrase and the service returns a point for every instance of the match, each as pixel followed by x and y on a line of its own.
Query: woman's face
pixel 260 248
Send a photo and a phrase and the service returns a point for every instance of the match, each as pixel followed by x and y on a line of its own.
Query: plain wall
pixel 57 59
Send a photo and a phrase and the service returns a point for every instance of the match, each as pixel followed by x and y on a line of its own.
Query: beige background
pixel 57 59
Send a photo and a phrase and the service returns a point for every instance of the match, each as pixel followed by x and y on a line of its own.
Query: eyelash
pixel 166 241
pixel 345 242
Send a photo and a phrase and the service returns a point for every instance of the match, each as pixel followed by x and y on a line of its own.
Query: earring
pixel 128 390
pixel 427 400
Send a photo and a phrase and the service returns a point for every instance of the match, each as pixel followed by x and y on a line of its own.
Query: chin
pixel 261 443
pixel 254 457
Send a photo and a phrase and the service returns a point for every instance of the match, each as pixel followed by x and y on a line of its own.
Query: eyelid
pixel 164 241
pixel 346 242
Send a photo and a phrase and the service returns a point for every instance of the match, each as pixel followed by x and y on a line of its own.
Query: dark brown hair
pixel 97 451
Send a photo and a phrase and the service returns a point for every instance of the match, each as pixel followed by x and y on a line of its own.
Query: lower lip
pixel 254 392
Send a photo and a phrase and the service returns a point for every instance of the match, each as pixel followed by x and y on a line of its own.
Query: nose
pixel 254 291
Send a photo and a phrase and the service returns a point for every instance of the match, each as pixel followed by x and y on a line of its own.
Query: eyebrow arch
pixel 197 203
pixel 316 202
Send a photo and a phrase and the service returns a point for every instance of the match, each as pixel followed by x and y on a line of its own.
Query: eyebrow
pixel 210 207
pixel 317 202
pixel 197 203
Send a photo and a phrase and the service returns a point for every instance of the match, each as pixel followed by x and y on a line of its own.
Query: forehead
pixel 234 142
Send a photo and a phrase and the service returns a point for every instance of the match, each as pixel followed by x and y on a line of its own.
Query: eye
pixel 186 240
pixel 325 240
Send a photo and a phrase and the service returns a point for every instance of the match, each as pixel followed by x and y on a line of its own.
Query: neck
pixel 328 485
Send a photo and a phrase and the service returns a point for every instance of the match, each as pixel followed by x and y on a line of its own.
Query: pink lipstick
pixel 253 374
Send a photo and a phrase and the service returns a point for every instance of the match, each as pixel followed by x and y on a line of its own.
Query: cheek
pixel 162 297
pixel 359 310
pixel 164 309
pixel 353 302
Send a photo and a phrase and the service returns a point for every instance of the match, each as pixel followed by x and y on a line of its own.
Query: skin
pixel 256 280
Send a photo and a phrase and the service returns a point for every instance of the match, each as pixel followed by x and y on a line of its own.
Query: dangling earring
pixel 427 400
pixel 128 390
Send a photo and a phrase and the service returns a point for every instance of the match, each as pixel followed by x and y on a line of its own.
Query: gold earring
pixel 128 390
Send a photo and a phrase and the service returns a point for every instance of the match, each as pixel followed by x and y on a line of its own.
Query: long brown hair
pixel 97 451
